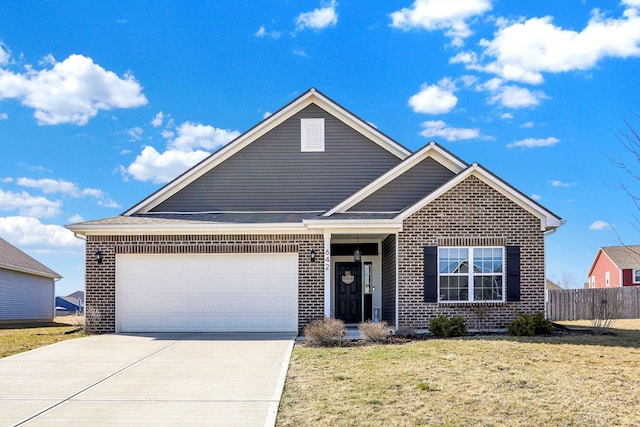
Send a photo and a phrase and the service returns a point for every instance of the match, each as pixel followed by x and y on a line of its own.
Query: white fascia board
pixel 271 122
pixel 547 219
pixel 172 229
pixel 593 264
pixel 356 225
pixel 362 127
pixel 29 271
pixel 430 150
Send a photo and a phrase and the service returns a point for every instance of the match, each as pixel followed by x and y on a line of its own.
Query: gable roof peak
pixel 311 96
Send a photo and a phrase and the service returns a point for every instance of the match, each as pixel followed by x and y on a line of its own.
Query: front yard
pixel 18 337
pixel 577 380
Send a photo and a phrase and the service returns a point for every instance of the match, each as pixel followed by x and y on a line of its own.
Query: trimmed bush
pixel 543 325
pixel 374 332
pixel 443 326
pixel 528 326
pixel 326 332
pixel 522 326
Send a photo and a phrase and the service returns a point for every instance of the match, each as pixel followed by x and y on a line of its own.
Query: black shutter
pixel 430 274
pixel 513 273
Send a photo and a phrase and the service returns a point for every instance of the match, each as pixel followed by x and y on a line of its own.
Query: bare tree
pixel 630 141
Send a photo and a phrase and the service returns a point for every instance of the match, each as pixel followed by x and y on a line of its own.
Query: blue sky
pixel 102 103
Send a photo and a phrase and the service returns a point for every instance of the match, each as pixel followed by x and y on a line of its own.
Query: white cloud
pixel 157 120
pixel 536 197
pixel 158 168
pixel 300 52
pixel 511 96
pixel 600 225
pixel 28 205
pixel 52 186
pixel 25 230
pixel 527 125
pixel 135 134
pixel 194 135
pixel 4 116
pixel 447 15
pixel 5 54
pixel 72 91
pixel 558 183
pixel 318 18
pixel 75 218
pixel 534 142
pixel 7 179
pixel 434 99
pixel 517 97
pixel 506 116
pixel 262 32
pixel 523 50
pixel 438 128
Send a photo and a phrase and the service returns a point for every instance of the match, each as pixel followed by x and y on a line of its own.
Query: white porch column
pixel 327 274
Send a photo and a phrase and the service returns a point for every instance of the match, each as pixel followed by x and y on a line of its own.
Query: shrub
pixel 324 332
pixel 374 332
pixel 443 326
pixel 527 326
pixel 406 332
pixel 522 326
pixel 542 324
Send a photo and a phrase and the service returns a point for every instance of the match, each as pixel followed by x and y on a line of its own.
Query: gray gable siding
pixel 272 174
pixel 408 188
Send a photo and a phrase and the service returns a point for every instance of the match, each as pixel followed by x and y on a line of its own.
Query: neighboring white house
pixel 26 286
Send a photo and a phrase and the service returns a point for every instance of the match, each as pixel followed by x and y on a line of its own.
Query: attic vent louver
pixel 312 135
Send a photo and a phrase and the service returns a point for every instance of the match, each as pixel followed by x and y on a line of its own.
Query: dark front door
pixel 348 292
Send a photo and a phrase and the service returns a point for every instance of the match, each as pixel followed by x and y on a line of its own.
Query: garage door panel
pixel 206 292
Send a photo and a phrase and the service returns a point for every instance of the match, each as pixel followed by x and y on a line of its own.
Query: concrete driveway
pixel 150 379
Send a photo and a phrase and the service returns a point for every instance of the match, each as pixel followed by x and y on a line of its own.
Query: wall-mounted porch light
pixel 312 255
pixel 98 255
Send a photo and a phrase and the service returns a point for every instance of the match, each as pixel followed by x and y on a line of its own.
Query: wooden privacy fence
pixel 588 304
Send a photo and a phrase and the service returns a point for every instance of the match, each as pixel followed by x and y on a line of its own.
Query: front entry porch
pixel 360 280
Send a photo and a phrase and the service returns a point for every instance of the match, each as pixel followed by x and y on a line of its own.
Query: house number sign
pixel 327 260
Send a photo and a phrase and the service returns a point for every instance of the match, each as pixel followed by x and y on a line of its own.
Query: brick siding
pixel 470 214
pixel 101 278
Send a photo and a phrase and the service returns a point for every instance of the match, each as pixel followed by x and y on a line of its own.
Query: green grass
pixel 577 380
pixel 19 337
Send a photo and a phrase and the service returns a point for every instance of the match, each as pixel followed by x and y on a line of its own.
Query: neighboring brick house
pixel 312 213
pixel 615 267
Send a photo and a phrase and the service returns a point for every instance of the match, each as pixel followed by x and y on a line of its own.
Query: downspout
pixel 546 291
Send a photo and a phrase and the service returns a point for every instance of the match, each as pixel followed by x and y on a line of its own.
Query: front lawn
pixel 577 380
pixel 19 337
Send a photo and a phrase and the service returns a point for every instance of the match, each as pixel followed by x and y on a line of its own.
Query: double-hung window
pixel 471 274
pixel 636 276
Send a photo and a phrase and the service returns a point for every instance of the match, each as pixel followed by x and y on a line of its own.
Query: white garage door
pixel 207 293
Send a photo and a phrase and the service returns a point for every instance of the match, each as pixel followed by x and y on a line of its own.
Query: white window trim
pixel 607 279
pixel 633 276
pixel 471 275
